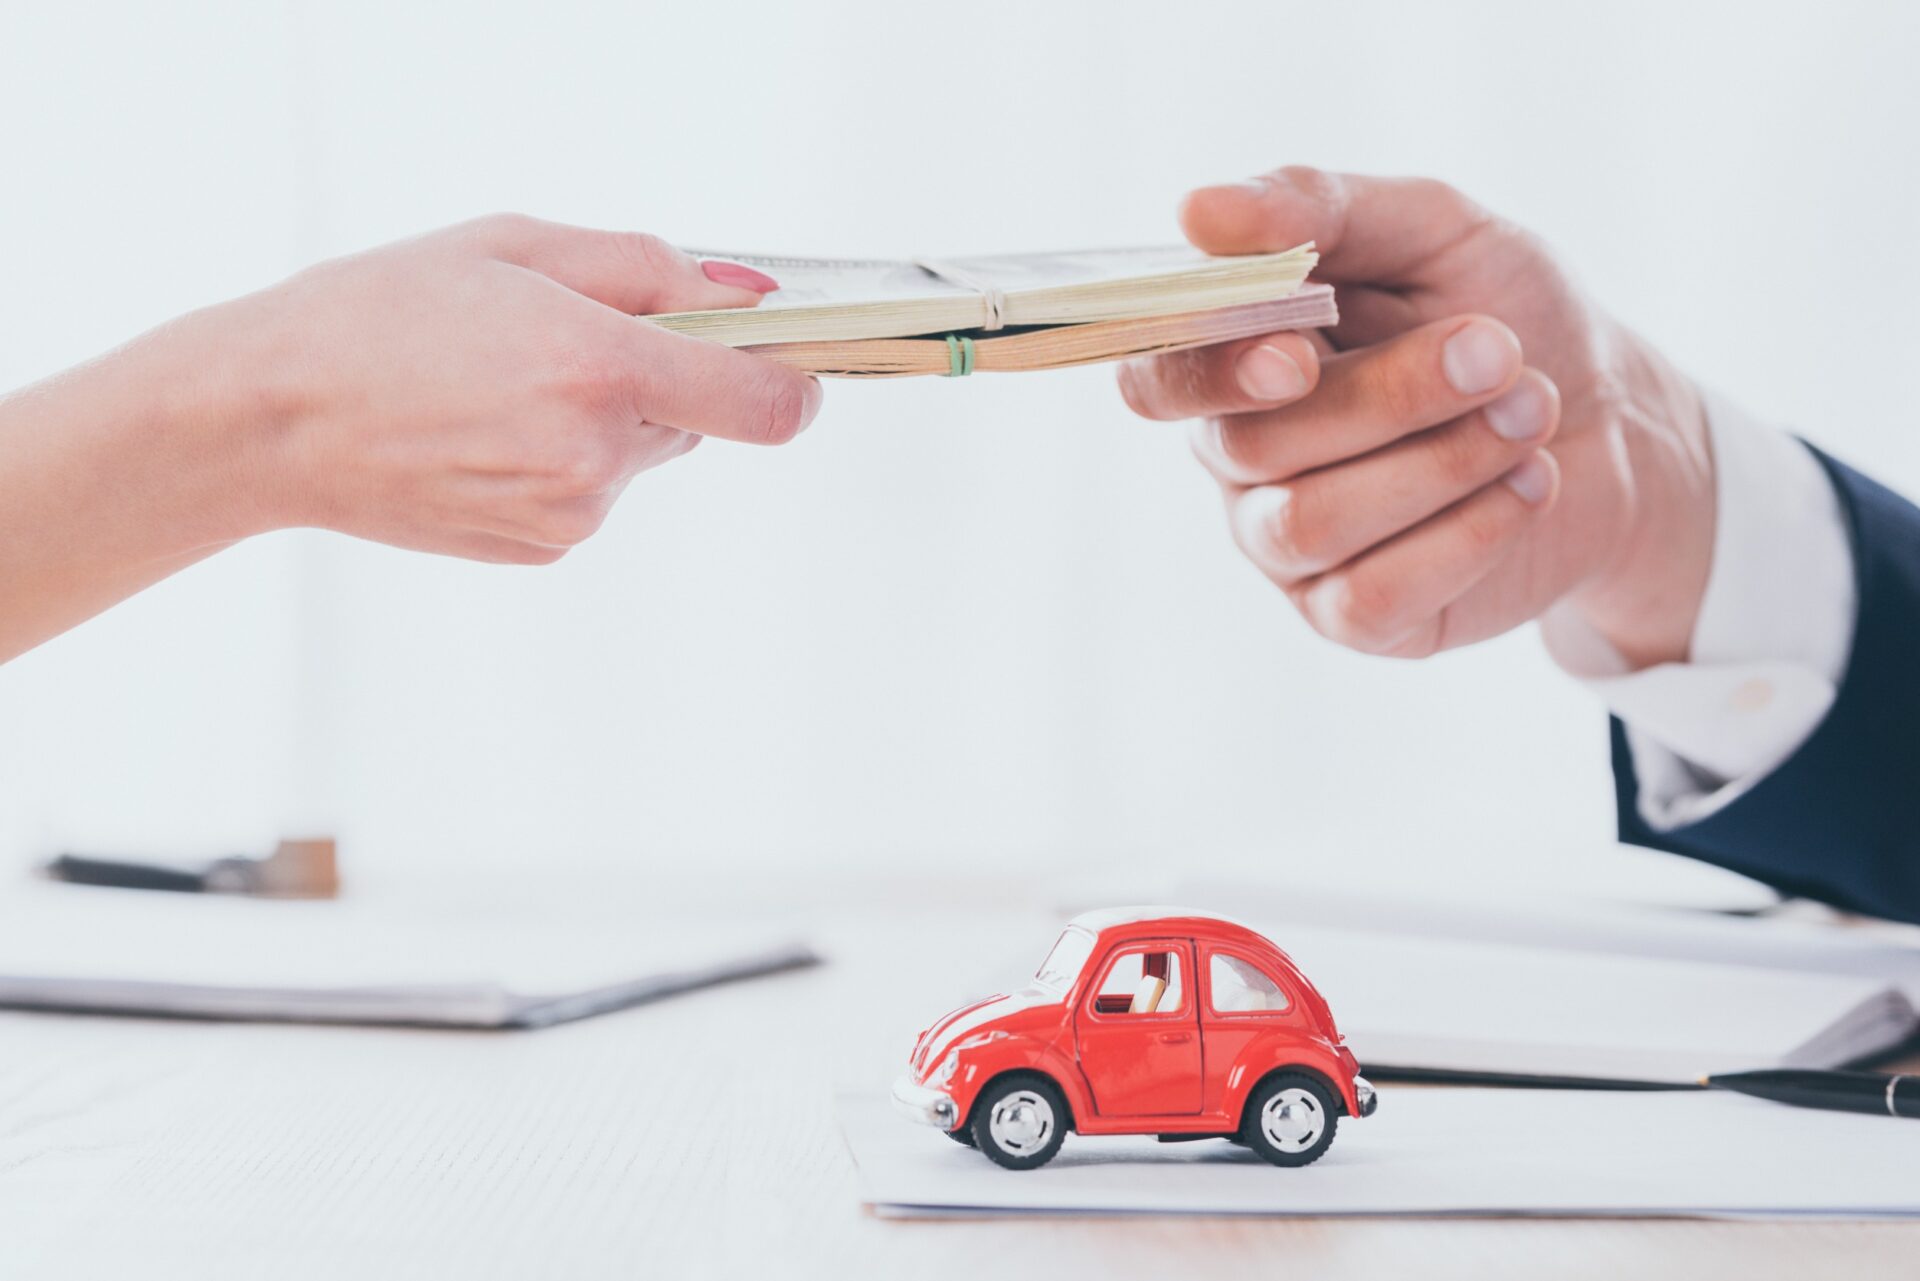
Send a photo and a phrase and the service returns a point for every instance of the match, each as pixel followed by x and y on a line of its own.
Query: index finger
pixel 629 271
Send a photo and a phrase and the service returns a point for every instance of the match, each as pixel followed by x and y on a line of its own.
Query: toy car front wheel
pixel 962 1135
pixel 1019 1121
pixel 1289 1119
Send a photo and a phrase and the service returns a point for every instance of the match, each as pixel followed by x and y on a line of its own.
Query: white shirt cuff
pixel 1770 644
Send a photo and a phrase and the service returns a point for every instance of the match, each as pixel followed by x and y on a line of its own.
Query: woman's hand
pixel 482 391
pixel 1472 443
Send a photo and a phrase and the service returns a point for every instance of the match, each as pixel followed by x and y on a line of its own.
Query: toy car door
pixel 1139 1033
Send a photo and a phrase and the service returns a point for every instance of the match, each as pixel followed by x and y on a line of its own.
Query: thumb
pixel 1384 231
pixel 627 270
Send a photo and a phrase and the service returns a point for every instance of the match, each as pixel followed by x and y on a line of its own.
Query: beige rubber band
pixel 992 298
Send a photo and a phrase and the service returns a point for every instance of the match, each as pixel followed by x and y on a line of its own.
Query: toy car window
pixel 1240 986
pixel 1065 961
pixel 1145 981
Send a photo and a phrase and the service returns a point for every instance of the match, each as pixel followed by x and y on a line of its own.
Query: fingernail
pixel 1204 436
pixel 1258 513
pixel 1532 480
pixel 1521 414
pixel 1479 358
pixel 1267 373
pixel 722 272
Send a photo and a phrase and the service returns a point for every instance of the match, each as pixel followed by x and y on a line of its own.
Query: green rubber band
pixel 959 356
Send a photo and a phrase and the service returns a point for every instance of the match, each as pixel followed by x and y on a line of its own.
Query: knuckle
pixel 592 373
pixel 1485 525
pixel 1236 455
pixel 654 445
pixel 1458 455
pixel 1439 193
pixel 1552 391
pixel 572 523
pixel 526 554
pixel 1473 219
pixel 1317 185
pixel 646 251
pixel 1165 388
pixel 1425 642
pixel 505 228
pixel 583 462
pixel 1477 225
pixel 1192 377
pixel 1526 243
pixel 1396 394
pixel 1296 535
pixel 781 410
pixel 1135 383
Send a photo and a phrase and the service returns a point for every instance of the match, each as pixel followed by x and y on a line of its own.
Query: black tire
pixel 1302 1131
pixel 962 1135
pixel 1033 1123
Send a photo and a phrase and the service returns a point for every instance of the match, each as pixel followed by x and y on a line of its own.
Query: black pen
pixel 1834 1091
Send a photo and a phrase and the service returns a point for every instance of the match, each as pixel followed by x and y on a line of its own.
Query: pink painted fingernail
pixel 1267 373
pixel 722 272
pixel 1480 357
pixel 1532 480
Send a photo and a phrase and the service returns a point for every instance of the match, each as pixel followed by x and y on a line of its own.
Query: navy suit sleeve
pixel 1839 820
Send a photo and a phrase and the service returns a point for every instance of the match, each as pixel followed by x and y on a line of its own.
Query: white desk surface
pixel 690 1138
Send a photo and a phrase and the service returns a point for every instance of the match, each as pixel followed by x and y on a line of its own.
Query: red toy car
pixel 1142 1021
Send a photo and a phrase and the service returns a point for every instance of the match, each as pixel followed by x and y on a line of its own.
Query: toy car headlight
pixel 944 1073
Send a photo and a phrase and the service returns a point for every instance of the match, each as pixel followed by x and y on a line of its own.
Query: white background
pixel 990 624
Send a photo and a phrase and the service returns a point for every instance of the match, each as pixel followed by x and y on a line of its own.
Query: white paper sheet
pixel 1573 926
pixel 227 956
pixel 1493 1007
pixel 1437 1151
pixel 1485 985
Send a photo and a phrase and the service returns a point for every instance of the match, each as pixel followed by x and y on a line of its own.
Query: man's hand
pixel 1472 443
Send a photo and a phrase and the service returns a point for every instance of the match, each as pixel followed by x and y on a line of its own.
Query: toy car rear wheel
pixel 1290 1119
pixel 1019 1121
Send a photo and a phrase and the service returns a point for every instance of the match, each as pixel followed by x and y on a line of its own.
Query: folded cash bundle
pixel 957 316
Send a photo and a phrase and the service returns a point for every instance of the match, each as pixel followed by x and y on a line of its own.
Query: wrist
pixel 116 474
pixel 213 421
pixel 1645 601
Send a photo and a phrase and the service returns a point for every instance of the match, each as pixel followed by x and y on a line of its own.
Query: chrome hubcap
pixel 1293 1120
pixel 1021 1123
